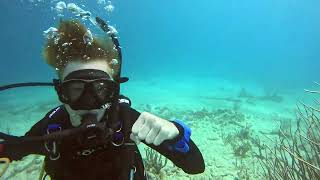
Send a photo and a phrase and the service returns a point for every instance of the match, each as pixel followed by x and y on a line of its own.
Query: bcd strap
pixel 128 148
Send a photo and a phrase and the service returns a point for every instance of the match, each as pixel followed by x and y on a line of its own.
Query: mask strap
pixel 104 26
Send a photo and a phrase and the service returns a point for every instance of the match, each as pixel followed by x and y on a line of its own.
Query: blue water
pixel 274 42
pixel 191 54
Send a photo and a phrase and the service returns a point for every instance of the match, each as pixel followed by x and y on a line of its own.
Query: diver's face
pixel 75 115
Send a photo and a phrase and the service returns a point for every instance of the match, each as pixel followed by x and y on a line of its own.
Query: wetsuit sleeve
pixel 14 149
pixel 189 159
pixel 37 129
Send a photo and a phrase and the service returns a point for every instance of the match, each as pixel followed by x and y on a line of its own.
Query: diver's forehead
pixel 77 65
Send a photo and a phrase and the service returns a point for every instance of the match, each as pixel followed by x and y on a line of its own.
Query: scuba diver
pixel 95 132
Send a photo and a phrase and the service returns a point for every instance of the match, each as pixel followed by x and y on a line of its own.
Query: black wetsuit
pixel 100 162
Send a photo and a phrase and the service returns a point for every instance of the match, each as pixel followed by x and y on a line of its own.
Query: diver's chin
pixel 76 115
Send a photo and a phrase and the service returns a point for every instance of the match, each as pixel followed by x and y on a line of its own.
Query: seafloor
pixel 228 120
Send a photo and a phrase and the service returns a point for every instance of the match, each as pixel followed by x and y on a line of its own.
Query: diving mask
pixel 87 89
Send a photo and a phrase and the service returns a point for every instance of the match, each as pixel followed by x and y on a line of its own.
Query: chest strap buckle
pixel 51 146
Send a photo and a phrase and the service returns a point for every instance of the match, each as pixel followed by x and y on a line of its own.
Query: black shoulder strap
pixel 129 147
pixel 58 115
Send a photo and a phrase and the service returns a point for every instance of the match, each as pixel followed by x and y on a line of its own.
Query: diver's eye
pixel 103 88
pixel 73 89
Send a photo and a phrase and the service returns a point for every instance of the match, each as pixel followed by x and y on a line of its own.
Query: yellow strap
pixel 6 162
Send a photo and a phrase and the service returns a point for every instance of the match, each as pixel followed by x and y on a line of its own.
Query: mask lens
pixel 72 89
pixel 104 89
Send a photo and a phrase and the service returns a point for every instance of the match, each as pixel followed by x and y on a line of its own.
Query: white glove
pixel 152 129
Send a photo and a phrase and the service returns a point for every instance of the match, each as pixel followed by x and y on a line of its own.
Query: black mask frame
pixel 102 91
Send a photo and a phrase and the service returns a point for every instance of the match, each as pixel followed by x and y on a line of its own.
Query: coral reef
pixel 240 141
pixel 154 163
pixel 296 154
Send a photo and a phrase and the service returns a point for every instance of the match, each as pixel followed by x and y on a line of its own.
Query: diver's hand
pixel 152 129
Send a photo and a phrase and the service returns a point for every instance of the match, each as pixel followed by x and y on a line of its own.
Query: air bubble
pixel 78 11
pixel 114 62
pixel 60 6
pixel 88 38
pixel 103 2
pixel 65 44
pixel 109 8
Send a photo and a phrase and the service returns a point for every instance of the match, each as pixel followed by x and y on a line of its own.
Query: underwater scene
pixel 243 76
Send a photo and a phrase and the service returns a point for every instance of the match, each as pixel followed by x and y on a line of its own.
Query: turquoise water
pixel 272 41
pixel 185 55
